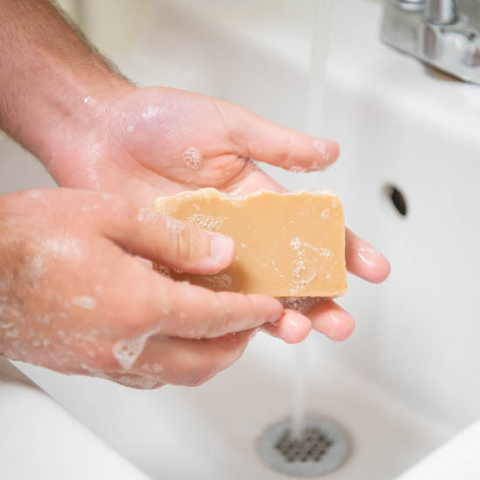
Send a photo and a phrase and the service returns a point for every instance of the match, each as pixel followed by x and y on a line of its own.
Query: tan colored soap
pixel 287 245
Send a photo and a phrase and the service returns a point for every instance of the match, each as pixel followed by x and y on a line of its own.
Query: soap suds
pixel 304 271
pixel 131 128
pixel 207 222
pixel 146 215
pixel 127 351
pixel 11 332
pixel 325 213
pixel 174 225
pixel 219 281
pixel 299 304
pixel 64 246
pixel 151 112
pixel 162 269
pixel 35 194
pixel 140 382
pixel 297 169
pixel 192 158
pixel 321 148
pixel 89 303
pixel 43 319
pixel 153 367
pixel 36 270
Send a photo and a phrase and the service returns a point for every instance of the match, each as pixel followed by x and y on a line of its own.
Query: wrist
pixel 70 118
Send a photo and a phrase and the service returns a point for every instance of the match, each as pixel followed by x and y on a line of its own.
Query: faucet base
pixel 453 48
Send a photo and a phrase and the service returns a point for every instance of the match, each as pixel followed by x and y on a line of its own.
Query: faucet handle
pixel 441 12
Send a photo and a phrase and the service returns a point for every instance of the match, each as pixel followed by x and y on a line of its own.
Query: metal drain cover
pixel 322 448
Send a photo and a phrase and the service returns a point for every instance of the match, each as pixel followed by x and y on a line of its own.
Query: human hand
pixel 160 141
pixel 74 298
pixel 94 130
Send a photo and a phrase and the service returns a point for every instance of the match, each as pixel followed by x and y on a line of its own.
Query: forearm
pixel 50 79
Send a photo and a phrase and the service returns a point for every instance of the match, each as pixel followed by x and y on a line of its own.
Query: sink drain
pixel 322 448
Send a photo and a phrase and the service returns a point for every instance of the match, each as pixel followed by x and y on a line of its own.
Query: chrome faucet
pixel 436 32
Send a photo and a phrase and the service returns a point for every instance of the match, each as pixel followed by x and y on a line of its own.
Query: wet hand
pixel 74 296
pixel 160 141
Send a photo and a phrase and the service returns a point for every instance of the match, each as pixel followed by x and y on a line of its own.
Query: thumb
pixel 170 242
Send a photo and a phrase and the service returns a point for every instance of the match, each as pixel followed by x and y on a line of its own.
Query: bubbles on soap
pixel 299 304
pixel 206 222
pixel 192 158
pixel 127 351
pixel 164 270
pixel 304 269
pixel 219 281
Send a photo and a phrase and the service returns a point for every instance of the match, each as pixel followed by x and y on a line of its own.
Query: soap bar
pixel 287 244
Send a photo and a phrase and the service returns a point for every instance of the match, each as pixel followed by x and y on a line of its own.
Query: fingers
pixel 200 313
pixel 157 304
pixel 170 242
pixel 277 145
pixel 364 260
pixel 293 327
pixel 179 361
pixel 331 320
pixel 323 315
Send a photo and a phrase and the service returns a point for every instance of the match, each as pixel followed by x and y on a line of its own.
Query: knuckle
pixel 127 322
pixel 221 318
pixel 184 244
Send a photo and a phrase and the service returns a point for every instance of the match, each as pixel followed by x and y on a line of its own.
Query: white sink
pixel 408 379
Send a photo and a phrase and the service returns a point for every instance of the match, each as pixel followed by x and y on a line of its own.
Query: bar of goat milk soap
pixel 287 244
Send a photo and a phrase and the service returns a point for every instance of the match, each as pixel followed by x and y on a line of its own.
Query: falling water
pixel 314 119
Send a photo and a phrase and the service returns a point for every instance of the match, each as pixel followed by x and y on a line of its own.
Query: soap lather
pixel 287 244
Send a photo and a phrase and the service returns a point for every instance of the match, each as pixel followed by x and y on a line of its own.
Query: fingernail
pixel 292 322
pixel 369 257
pixel 221 249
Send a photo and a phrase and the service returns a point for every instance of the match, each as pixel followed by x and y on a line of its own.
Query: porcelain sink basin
pixel 408 379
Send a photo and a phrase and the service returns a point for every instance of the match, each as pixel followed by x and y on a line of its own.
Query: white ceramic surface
pixel 408 379
pixel 41 440
pixel 458 458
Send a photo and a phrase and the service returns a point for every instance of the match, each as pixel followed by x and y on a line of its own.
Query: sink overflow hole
pixel 397 199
